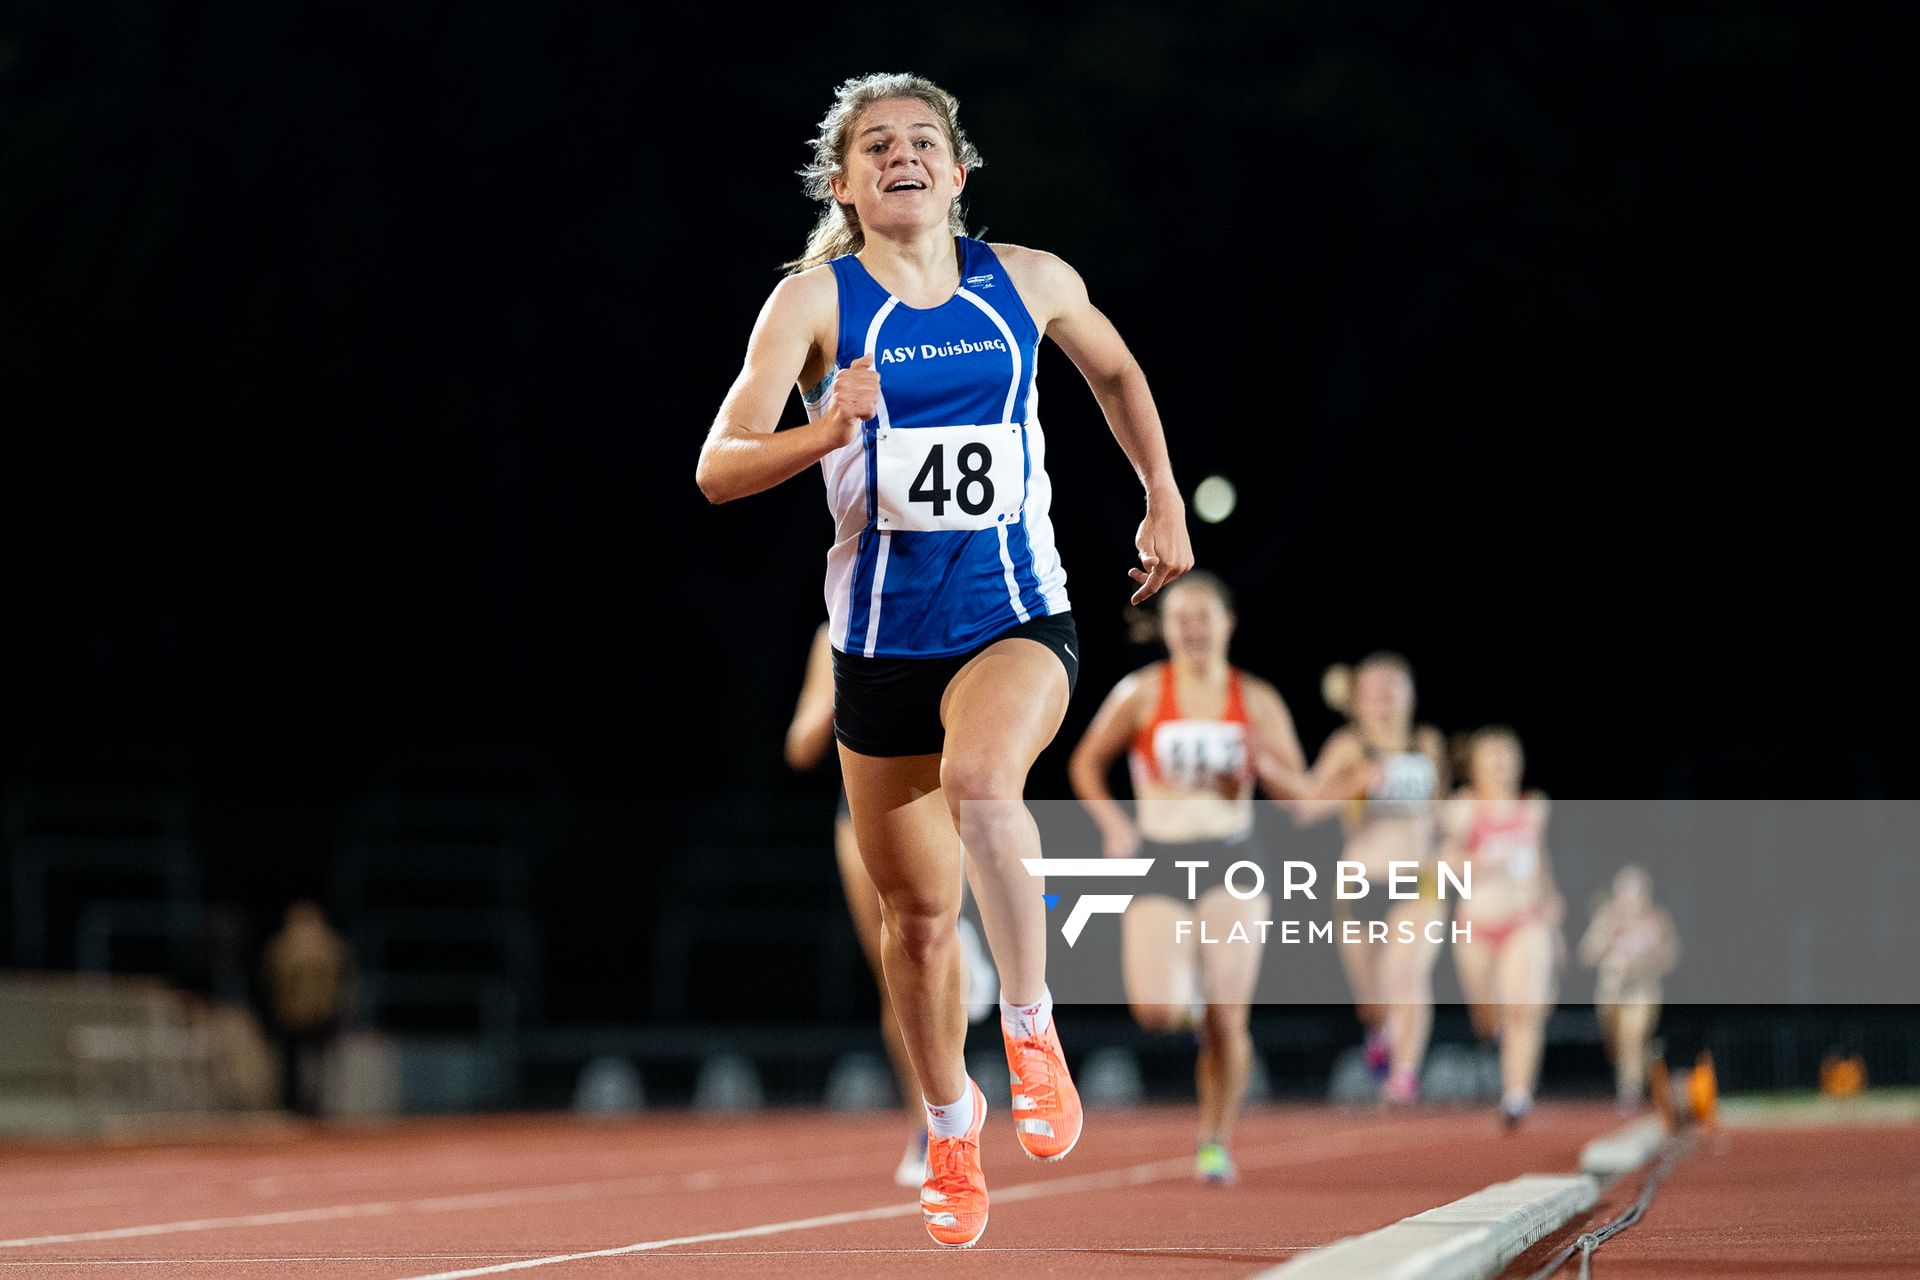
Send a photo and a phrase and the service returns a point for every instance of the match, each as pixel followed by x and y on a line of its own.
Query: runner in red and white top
pixel 1497 835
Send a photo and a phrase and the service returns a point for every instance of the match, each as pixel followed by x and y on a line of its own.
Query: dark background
pixel 357 358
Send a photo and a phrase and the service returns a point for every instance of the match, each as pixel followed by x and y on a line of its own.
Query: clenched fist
pixel 855 398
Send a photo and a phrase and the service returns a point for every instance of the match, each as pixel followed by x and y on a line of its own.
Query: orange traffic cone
pixel 1842 1077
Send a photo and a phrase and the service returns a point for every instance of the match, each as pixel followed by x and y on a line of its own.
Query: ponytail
pixel 1336 688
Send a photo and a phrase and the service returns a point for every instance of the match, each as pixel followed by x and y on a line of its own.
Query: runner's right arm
pixel 744 453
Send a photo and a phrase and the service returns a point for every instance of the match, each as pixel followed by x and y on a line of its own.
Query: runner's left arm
pixel 1057 297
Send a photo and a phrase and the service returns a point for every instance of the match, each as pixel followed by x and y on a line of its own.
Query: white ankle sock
pixel 1027 1020
pixel 953 1119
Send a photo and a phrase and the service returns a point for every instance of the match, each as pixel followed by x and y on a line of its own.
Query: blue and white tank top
pixel 941 536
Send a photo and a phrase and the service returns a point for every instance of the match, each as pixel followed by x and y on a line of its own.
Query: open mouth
pixel 905 184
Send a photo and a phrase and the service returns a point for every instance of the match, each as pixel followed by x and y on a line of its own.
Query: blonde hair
pixel 838 231
pixel 1336 686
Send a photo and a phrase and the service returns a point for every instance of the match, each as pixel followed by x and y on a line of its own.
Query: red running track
pixel 1816 1202
pixel 788 1193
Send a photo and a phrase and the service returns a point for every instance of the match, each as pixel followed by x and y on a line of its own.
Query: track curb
pixel 1621 1152
pixel 1476 1236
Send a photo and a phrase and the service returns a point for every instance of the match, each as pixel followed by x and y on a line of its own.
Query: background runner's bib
pixel 1509 845
pixel 949 477
pixel 1200 754
pixel 1515 859
pixel 1173 749
pixel 1407 783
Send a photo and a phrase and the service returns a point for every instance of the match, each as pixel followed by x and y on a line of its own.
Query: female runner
pixel 954 652
pixel 1197 730
pixel 1506 964
pixel 1631 941
pixel 1393 771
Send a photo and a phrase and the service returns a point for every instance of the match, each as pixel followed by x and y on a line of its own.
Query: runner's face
pixel 1496 767
pixel 899 173
pixel 1383 695
pixel 1197 625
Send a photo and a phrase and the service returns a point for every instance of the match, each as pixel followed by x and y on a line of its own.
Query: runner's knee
pixel 920 928
pixel 1160 1017
pixel 1226 1025
pixel 982 776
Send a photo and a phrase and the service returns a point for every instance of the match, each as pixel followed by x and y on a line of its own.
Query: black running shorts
pixel 891 706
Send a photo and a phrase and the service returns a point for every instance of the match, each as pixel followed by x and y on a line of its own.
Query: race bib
pixel 1518 859
pixel 1408 782
pixel 1199 754
pixel 949 477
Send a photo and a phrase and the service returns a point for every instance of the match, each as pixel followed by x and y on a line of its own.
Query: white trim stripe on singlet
pixel 1046 555
pixel 873 601
pixel 1006 415
pixel 1013 348
pixel 873 339
pixel 886 536
pixel 1013 583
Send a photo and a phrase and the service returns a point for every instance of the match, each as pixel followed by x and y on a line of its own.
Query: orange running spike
pixel 1046 1106
pixel 953 1200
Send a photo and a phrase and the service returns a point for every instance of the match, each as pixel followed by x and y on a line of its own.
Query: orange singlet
pixel 1196 755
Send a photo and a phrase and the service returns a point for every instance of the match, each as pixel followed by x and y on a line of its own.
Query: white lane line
pixel 340 1166
pixel 61 1199
pixel 208 1262
pixel 699 1180
pixel 1179 1250
pixel 286 1260
pixel 1300 1151
pixel 211 1224
pixel 767 1229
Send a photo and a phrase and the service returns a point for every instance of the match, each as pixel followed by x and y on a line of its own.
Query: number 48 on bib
pixel 929 478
